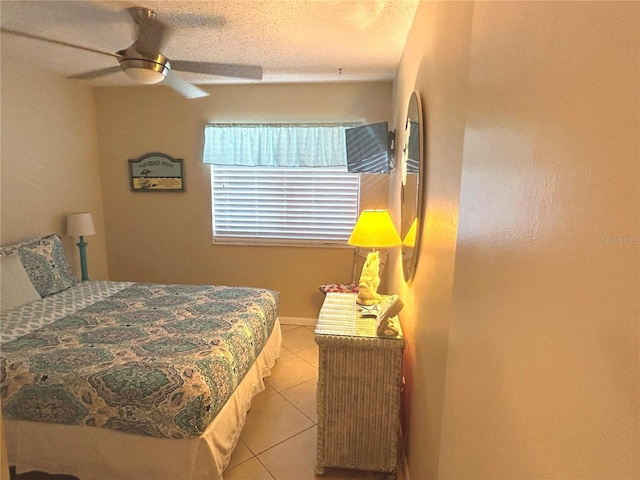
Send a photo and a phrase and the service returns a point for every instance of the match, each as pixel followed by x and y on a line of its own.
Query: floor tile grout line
pixel 297 433
pixel 294 405
pixel 256 457
pixel 315 367
pixel 304 359
pixel 280 443
pixel 264 466
pixel 300 357
pixel 281 393
pixel 291 386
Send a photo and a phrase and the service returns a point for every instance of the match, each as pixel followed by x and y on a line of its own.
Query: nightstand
pixel 359 382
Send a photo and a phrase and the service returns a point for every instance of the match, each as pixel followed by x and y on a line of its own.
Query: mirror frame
pixel 412 203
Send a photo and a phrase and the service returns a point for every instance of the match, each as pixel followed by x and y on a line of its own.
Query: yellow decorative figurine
pixel 369 281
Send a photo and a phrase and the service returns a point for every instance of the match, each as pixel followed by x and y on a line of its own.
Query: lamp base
pixel 369 281
pixel 82 246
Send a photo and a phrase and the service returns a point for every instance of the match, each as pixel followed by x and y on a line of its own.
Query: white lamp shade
pixel 80 224
pixel 374 229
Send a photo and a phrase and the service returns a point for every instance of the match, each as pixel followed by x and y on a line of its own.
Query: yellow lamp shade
pixel 374 229
pixel 410 238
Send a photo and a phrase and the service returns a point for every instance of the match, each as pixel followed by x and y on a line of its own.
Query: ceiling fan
pixel 143 62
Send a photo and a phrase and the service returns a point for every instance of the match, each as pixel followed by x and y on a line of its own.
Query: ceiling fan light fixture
pixel 146 71
pixel 144 75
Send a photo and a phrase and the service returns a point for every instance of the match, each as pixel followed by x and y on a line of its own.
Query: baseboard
pixel 298 321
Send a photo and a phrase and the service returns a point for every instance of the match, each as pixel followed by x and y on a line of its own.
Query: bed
pixel 122 380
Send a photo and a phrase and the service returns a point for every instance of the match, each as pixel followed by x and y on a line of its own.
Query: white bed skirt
pixel 104 454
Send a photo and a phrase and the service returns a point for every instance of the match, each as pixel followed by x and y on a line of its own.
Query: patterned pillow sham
pixel 46 264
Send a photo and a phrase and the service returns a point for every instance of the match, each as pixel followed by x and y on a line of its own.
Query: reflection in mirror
pixel 412 164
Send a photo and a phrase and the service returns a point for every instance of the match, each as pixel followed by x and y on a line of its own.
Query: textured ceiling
pixel 293 40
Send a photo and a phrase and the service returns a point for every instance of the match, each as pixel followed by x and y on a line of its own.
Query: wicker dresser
pixel 359 383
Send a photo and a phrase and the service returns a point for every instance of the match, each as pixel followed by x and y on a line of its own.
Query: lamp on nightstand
pixel 374 229
pixel 80 225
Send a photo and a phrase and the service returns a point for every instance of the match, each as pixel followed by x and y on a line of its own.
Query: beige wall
pixel 49 161
pixel 522 321
pixel 166 236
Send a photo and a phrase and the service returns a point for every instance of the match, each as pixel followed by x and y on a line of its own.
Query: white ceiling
pixel 293 40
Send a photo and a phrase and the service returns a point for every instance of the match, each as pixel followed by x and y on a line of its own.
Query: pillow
pixel 16 288
pixel 10 249
pixel 47 265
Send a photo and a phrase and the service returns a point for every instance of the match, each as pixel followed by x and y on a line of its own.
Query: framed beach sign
pixel 156 172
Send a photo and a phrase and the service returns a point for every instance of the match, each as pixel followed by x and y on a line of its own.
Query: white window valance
pixel 275 145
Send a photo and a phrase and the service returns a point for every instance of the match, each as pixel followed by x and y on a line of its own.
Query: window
pixel 280 184
pixel 283 204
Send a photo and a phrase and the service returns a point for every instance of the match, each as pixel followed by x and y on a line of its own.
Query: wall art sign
pixel 156 172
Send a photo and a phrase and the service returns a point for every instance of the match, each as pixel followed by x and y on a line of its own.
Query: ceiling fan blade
pixel 57 42
pixel 184 88
pixel 96 73
pixel 151 31
pixel 221 69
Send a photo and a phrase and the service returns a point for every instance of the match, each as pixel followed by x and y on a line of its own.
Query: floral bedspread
pixel 155 360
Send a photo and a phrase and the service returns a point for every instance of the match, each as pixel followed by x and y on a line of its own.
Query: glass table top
pixel 341 315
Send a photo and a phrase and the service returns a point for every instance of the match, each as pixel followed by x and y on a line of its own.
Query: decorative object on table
pixel 339 288
pixel 369 280
pixel 81 225
pixel 374 229
pixel 154 172
pixel 359 259
pixel 390 306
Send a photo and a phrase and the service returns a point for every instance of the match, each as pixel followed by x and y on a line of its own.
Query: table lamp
pixel 79 225
pixel 374 229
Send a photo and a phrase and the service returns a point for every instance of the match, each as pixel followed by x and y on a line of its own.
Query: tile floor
pixel 278 441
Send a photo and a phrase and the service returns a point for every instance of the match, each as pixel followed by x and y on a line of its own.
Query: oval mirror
pixel 413 168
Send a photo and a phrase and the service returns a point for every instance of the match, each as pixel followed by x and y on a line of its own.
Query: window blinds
pixel 283 205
